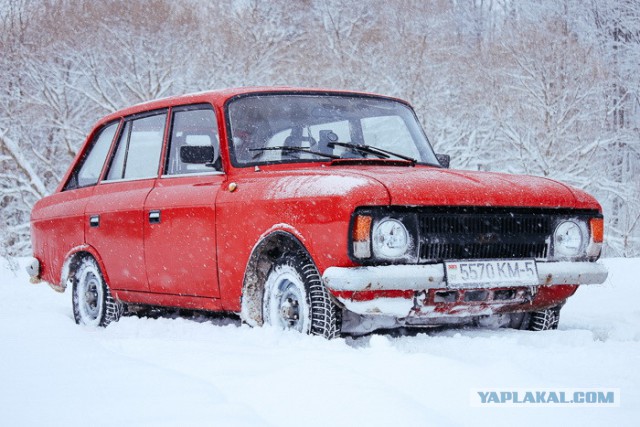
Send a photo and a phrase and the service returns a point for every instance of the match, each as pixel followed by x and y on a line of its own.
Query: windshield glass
pixel 277 128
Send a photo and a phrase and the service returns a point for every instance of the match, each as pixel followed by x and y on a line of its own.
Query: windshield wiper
pixel 369 149
pixel 285 149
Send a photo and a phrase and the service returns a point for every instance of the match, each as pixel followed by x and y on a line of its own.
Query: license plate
pixel 491 273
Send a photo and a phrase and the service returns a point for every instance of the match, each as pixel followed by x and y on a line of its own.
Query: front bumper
pixel 391 290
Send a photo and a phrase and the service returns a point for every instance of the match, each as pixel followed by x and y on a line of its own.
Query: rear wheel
pixel 296 299
pixel 93 304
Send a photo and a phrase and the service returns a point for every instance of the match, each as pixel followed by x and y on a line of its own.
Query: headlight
pixel 390 239
pixel 569 239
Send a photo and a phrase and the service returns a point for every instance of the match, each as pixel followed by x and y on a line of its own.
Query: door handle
pixel 154 217
pixel 94 220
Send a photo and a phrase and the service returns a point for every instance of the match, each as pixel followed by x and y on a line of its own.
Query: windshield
pixel 277 128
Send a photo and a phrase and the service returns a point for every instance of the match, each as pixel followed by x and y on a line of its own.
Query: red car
pixel 320 211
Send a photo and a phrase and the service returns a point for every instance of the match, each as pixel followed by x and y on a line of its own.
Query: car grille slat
pixel 483 235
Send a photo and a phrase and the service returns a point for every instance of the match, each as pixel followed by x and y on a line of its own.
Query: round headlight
pixel 568 239
pixel 390 239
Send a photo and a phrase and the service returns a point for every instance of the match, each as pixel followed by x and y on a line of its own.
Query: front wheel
pixel 93 304
pixel 541 320
pixel 296 299
pixel 544 320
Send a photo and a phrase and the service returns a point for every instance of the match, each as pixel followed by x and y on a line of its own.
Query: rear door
pixel 59 223
pixel 114 218
pixel 180 214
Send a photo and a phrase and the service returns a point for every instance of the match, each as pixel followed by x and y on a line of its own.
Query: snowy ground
pixel 181 372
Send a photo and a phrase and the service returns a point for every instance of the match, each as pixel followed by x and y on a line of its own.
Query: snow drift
pixel 143 371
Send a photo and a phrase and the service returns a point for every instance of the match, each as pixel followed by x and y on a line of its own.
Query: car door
pixel 114 215
pixel 64 227
pixel 180 214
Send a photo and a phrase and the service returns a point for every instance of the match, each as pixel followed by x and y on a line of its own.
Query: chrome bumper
pixel 432 276
pixel 424 277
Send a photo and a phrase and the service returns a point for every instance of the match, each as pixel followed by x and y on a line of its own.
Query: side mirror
pixel 444 160
pixel 197 154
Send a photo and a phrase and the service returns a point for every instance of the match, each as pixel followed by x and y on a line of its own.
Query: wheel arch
pixel 73 259
pixel 269 249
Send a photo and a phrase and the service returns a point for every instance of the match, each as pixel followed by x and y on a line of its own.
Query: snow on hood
pixel 318 185
pixel 425 186
pixel 433 186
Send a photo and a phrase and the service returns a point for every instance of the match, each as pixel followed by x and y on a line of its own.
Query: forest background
pixel 548 88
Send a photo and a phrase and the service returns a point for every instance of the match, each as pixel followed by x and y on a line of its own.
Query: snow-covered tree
pixel 539 87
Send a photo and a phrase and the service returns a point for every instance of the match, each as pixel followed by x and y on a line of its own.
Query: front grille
pixel 484 235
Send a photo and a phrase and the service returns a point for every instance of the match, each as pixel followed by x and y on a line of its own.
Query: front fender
pixel 313 206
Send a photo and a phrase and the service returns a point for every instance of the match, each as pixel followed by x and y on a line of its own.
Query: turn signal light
pixel 362 228
pixel 361 235
pixel 597 230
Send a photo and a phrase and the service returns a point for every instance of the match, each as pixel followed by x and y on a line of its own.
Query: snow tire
pixel 295 298
pixel 93 304
pixel 541 320
pixel 544 320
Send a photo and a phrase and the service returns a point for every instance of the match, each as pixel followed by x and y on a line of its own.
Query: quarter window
pixel 89 171
pixel 117 164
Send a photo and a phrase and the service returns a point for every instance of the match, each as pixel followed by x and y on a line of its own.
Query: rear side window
pixel 88 173
pixel 139 147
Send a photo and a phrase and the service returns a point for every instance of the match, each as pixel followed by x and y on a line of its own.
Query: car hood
pixel 434 186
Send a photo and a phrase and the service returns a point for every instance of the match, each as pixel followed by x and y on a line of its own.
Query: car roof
pixel 220 97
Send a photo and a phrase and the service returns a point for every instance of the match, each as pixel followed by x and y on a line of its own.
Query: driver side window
pixel 193 128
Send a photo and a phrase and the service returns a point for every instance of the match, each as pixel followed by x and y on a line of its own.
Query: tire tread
pixel 113 308
pixel 544 320
pixel 326 316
